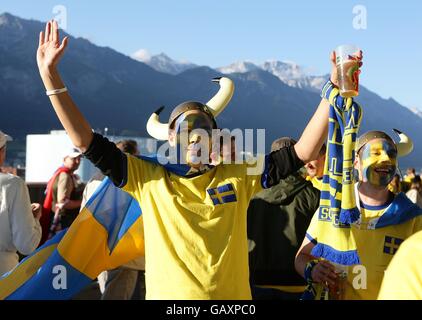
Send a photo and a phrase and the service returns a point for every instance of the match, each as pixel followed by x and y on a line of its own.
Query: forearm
pixel 72 204
pixel 108 158
pixel 314 135
pixel 281 163
pixel 76 126
pixel 303 256
pixel 302 259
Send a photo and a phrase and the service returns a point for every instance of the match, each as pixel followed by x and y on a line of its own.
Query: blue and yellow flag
pixel 107 233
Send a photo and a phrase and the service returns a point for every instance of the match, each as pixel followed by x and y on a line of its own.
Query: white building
pixel 44 154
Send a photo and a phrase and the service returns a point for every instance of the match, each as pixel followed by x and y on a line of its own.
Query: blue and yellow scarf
pixel 338 201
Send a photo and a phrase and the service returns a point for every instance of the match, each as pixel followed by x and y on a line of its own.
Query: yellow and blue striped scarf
pixel 338 202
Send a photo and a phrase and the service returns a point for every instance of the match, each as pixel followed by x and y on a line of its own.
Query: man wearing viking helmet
pixel 195 223
pixel 385 221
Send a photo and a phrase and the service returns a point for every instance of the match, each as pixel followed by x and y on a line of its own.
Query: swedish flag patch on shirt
pixel 222 194
pixel 391 244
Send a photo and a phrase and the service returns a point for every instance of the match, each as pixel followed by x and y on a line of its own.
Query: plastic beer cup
pixel 338 290
pixel 347 63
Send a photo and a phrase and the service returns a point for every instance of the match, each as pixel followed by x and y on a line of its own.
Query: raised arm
pixel 315 133
pixel 49 52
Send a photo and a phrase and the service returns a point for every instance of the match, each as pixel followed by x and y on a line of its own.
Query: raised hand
pixel 50 49
pixel 334 75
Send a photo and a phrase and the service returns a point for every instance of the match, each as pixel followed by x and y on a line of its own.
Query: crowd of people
pixel 219 232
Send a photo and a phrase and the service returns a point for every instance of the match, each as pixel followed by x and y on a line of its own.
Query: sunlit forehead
pixel 379 147
pixel 193 121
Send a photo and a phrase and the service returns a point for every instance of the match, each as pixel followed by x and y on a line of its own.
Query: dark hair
pixel 284 142
pixel 128 146
pixel 416 179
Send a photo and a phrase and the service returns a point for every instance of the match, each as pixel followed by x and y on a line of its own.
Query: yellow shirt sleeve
pixel 254 175
pixel 139 173
pixel 403 277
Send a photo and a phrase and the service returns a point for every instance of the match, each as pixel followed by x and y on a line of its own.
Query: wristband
pixel 55 91
pixel 308 270
pixel 326 89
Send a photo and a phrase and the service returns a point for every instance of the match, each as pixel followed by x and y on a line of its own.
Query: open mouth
pixel 383 170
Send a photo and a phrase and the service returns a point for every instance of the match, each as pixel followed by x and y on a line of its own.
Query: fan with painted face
pixel 191 125
pixel 377 155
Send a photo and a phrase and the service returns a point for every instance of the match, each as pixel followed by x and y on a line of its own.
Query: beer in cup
pixel 348 62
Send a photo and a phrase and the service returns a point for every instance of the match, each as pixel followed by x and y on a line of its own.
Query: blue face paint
pixel 379 161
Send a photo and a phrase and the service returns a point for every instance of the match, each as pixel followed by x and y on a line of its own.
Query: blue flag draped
pixel 107 233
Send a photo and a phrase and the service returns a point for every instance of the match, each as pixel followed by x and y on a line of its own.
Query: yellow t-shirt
pixel 195 230
pixel 403 278
pixel 376 248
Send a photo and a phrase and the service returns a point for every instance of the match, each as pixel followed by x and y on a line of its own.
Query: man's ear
pixel 356 163
pixel 356 168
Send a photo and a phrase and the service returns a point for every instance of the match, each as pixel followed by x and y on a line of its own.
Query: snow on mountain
pixel 239 67
pixel 285 71
pixel 288 72
pixel 416 111
pixel 161 62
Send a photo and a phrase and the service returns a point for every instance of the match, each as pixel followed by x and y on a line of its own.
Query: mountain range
pixel 162 62
pixel 120 92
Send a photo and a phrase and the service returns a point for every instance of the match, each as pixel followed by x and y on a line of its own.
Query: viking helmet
pixel 213 108
pixel 404 146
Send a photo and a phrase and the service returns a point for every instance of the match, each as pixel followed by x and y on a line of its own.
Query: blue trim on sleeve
pixel 265 175
pixel 310 238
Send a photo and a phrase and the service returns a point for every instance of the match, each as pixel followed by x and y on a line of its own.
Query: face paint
pixel 378 162
pixel 186 123
pixel 194 132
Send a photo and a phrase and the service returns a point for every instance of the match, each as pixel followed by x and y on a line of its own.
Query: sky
pixel 219 32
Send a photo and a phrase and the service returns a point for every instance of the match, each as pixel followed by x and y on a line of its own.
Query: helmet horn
pixel 405 145
pixel 155 128
pixel 222 97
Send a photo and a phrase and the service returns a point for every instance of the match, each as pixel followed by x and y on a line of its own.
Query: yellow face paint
pixel 379 162
pixel 194 133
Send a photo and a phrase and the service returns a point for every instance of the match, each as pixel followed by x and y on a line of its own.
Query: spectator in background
pixel 20 229
pixel 63 196
pixel 410 174
pixel 128 281
pixel 395 184
pixel 277 221
pixel 415 192
pixel 407 180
